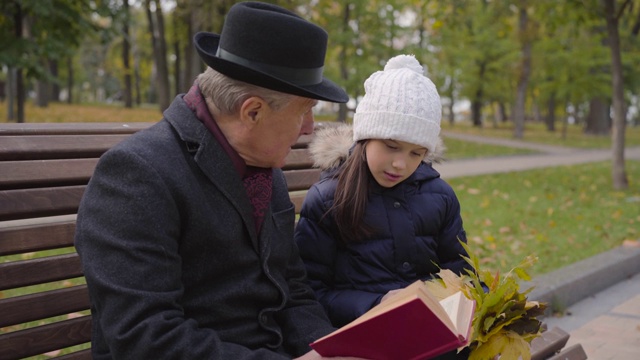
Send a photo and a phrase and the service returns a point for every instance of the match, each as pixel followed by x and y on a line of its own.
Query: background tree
pixel 612 14
pixel 155 19
pixel 525 37
pixel 126 46
pixel 35 30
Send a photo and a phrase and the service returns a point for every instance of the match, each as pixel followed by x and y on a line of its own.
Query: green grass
pixel 61 112
pixel 458 149
pixel 560 214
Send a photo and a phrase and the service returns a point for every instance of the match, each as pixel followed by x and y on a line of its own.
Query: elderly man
pixel 185 231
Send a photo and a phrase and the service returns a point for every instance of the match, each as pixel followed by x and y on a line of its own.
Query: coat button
pixel 396 204
pixel 263 319
pixel 406 265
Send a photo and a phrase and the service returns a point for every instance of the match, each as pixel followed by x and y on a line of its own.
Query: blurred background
pixel 556 62
pixel 558 72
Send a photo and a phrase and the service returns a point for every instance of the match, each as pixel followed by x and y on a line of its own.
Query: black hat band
pixel 299 77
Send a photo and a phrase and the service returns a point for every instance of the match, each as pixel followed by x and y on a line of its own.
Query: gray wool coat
pixel 173 263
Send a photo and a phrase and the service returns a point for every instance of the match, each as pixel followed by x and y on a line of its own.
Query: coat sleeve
pixel 319 249
pixel 127 237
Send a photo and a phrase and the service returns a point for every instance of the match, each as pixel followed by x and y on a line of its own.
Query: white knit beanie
pixel 400 103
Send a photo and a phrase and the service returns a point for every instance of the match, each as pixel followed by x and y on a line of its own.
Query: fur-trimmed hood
pixel 331 144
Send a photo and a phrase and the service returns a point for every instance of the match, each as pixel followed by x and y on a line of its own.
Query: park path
pixel 546 156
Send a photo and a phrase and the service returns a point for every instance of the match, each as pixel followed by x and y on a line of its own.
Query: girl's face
pixel 392 161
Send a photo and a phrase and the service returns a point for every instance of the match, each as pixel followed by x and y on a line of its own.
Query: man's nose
pixel 307 124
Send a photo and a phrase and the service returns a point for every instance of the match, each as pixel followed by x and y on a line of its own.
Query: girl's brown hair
pixel 350 200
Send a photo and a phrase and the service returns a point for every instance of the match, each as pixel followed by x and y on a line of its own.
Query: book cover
pixel 411 325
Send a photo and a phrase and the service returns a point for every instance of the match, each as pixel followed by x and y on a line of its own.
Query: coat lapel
pixel 213 162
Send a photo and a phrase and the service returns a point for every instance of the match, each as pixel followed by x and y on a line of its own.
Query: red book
pixel 411 325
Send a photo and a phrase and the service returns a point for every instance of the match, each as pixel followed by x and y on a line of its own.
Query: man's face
pixel 279 130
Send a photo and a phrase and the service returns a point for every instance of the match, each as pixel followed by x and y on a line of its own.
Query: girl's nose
pixel 399 162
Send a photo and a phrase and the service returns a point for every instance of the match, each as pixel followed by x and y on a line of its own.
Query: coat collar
pixel 212 160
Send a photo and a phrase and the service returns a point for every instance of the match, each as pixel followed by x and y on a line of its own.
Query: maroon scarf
pixel 257 181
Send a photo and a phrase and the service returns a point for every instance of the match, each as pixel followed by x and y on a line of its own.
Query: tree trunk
pixel 504 117
pixel 126 46
pixel 192 63
pixel 159 44
pixel 136 73
pixel 452 116
pixel 550 120
pixel 11 93
pixel 598 121
pixel 525 69
pixel 20 93
pixel 20 96
pixel 344 69
pixel 618 173
pixel 54 91
pixel 42 89
pixel 136 80
pixel 69 80
pixel 177 72
pixel 42 93
pixel 476 102
pixel 476 113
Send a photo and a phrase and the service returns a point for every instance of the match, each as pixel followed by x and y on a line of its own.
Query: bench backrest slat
pixel 22 273
pixel 78 355
pixel 301 179
pixel 38 173
pixel 36 306
pixel 45 338
pixel 30 203
pixel 56 147
pixel 83 128
pixel 36 237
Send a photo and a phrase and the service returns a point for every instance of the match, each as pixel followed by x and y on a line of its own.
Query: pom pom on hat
pixel 404 62
pixel 400 103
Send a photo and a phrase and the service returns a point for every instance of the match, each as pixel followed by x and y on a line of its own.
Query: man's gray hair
pixel 228 94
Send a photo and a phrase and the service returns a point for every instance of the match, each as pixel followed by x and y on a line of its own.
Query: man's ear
pixel 251 110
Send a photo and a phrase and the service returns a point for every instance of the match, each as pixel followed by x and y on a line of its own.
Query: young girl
pixel 381 217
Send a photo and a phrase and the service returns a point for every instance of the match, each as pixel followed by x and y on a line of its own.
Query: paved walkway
pixel 548 156
pixel 602 294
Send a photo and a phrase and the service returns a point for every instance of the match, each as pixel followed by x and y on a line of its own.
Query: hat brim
pixel 207 43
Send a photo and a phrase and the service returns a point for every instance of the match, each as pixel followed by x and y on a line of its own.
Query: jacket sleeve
pixel 127 237
pixel 319 249
pixel 449 248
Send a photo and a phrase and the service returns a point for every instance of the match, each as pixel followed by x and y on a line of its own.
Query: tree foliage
pixel 471 49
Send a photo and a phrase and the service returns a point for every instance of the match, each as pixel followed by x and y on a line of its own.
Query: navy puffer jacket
pixel 417 224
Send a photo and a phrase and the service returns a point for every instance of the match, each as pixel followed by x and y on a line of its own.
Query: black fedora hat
pixel 271 47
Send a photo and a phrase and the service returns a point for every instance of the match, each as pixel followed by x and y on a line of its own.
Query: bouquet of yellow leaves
pixel 504 322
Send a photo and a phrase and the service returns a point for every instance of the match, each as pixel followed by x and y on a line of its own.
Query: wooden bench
pixel 44 169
